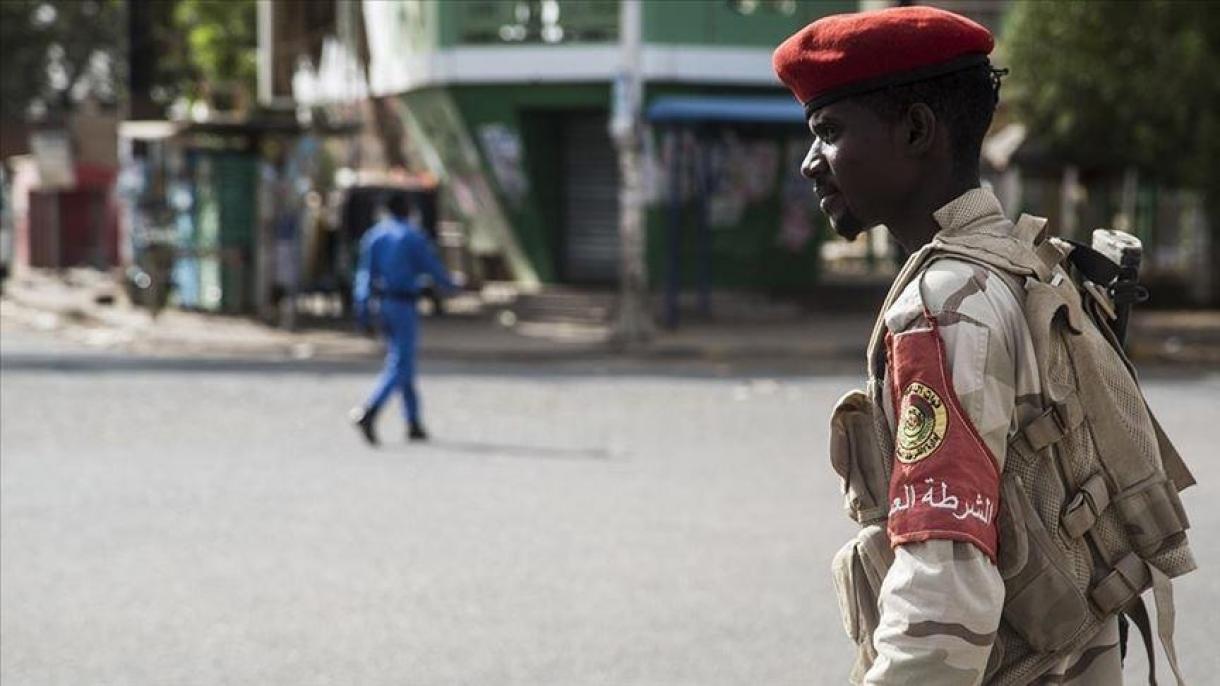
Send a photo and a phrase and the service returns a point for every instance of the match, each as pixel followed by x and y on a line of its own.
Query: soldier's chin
pixel 847 225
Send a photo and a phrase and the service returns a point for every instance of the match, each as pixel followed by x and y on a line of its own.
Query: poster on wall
pixel 758 165
pixel 796 228
pixel 502 148
pixel 741 173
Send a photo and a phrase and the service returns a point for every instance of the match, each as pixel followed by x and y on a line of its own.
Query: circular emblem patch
pixel 922 420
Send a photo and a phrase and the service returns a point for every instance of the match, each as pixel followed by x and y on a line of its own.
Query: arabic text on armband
pixel 982 509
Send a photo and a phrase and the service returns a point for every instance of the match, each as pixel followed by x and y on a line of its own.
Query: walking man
pixel 394 255
pixel 980 467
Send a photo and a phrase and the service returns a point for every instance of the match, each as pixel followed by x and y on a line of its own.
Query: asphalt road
pixel 176 521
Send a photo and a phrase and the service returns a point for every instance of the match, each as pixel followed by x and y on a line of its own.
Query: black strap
pixel 896 79
pixel 1124 630
pixel 1119 281
pixel 1095 266
pixel 1138 612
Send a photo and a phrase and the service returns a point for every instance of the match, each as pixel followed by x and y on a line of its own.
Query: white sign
pixel 53 153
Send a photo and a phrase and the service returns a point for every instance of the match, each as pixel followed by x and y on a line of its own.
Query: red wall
pixel 77 227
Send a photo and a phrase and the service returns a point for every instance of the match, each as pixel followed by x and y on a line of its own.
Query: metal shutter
pixel 591 242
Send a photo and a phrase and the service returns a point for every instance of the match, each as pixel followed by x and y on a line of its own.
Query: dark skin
pixel 868 171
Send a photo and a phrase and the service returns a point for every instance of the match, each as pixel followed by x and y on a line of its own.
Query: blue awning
pixel 760 110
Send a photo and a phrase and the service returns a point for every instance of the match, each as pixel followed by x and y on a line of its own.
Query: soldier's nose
pixel 814 163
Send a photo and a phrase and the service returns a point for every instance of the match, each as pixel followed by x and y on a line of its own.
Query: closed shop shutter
pixel 591 252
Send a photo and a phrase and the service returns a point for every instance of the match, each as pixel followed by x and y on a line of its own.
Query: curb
pixel 1159 338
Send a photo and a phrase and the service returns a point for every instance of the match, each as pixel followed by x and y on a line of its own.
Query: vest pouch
pixel 1152 515
pixel 858 570
pixel 1041 603
pixel 858 460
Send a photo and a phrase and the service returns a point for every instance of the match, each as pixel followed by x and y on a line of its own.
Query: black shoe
pixel 417 433
pixel 363 420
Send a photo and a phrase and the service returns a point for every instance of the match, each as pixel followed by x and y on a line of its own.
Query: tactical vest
pixel 1089 511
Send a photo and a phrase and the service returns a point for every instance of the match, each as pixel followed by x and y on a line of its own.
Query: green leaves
pixel 223 41
pixel 57 53
pixel 1118 83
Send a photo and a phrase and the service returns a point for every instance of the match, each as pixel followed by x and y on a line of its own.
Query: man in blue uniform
pixel 394 254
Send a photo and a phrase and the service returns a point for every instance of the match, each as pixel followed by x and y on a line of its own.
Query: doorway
pixel 590 240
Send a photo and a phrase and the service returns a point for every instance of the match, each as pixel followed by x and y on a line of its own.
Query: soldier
pixel 394 254
pixel 898 101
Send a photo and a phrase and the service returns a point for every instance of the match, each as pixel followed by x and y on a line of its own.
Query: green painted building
pixel 507 102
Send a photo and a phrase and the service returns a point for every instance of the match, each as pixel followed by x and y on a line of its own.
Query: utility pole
pixel 266 52
pixel 633 323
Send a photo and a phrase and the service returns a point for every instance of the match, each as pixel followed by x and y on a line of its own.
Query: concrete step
pixel 565 305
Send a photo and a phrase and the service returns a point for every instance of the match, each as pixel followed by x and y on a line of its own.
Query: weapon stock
pixel 1113 263
pixel 1127 252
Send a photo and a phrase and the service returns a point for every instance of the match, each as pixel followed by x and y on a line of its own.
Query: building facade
pixel 507 103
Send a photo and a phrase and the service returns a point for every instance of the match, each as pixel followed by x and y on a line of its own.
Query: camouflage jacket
pixel 940 603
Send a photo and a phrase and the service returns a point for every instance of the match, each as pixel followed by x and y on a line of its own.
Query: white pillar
pixel 633 323
pixel 266 52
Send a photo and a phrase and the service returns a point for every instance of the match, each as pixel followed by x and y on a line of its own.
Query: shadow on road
pixel 521 451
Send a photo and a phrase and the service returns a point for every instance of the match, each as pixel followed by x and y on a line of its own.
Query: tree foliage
pixel 56 54
pixel 223 39
pixel 1107 84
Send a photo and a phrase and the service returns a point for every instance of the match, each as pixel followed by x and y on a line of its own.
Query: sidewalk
pixel 89 307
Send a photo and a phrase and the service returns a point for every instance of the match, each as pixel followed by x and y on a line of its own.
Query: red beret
pixel 849 54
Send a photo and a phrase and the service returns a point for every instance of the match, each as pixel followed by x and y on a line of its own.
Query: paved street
pixel 177 521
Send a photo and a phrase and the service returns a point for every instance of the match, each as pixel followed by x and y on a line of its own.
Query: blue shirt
pixel 394 254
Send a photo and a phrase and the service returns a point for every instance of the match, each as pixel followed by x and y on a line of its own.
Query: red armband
pixel 945 482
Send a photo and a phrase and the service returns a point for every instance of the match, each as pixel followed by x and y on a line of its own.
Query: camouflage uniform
pixel 941 601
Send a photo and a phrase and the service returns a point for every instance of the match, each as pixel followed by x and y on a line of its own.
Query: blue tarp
pixel 764 110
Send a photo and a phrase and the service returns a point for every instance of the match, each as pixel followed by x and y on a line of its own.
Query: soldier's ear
pixel 919 129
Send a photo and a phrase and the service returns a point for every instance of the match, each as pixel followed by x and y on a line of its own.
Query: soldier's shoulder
pixel 957 289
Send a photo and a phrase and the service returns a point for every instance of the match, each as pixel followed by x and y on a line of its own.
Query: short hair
pixel 399 204
pixel 964 100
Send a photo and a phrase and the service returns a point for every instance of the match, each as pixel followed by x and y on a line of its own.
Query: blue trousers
pixel 400 324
